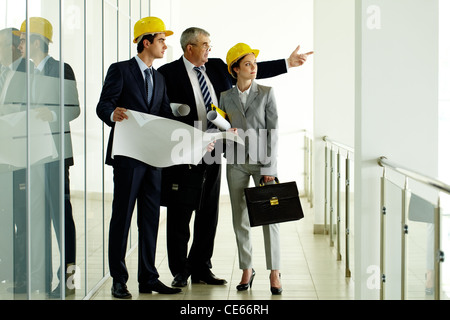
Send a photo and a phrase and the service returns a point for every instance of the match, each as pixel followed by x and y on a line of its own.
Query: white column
pixel 334 86
pixel 396 112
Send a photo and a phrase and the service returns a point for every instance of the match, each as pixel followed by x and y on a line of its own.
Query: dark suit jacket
pixel 124 87
pixel 47 93
pixel 16 93
pixel 259 113
pixel 42 95
pixel 51 68
pixel 179 88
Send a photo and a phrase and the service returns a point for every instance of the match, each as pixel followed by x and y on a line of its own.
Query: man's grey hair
pixel 190 36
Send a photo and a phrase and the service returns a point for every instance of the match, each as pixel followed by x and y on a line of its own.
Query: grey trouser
pixel 238 176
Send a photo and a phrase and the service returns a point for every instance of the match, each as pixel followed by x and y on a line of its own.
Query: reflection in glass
pixel 333 197
pixel 445 246
pixel 393 241
pixel 95 219
pixel 13 160
pixel 49 147
pixel 420 252
pixel 350 223
pixel 53 169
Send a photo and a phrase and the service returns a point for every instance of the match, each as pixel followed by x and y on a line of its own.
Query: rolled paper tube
pixel 180 110
pixel 218 120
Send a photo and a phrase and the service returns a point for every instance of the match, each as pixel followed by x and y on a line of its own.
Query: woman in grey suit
pixel 252 112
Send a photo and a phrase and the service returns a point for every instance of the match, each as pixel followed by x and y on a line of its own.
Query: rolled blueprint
pixel 180 110
pixel 218 120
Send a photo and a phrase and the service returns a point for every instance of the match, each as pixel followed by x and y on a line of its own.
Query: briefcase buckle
pixel 274 201
pixel 175 187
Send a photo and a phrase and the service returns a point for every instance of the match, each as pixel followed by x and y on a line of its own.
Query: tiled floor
pixel 310 270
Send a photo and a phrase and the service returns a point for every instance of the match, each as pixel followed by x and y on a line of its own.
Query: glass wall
pixel 56 192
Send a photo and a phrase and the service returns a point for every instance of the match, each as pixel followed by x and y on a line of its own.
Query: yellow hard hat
pixel 238 51
pixel 149 25
pixel 39 26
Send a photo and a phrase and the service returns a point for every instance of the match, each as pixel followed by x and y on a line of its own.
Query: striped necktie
pixel 148 84
pixel 3 75
pixel 3 82
pixel 204 88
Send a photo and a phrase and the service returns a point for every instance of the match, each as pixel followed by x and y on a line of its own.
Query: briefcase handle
pixel 262 184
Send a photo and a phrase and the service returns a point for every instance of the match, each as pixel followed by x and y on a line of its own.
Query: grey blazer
pixel 257 124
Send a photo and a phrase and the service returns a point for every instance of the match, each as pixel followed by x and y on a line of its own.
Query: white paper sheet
pixel 162 142
pixel 13 140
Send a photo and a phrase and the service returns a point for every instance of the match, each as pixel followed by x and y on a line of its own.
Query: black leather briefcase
pixel 274 203
pixel 183 185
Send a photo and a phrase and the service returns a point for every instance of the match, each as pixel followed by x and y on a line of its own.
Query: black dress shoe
pixel 208 278
pixel 119 290
pixel 274 290
pixel 179 281
pixel 245 286
pixel 158 287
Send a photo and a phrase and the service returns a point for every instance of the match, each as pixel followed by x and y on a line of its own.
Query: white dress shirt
pixel 243 95
pixel 41 65
pixel 142 67
pixel 200 104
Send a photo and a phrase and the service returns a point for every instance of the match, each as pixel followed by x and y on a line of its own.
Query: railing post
pixel 338 206
pixel 311 149
pixel 331 196
pixel 325 229
pixel 382 234
pixel 306 166
pixel 347 217
pixel 329 207
pixel 439 255
pixel 405 201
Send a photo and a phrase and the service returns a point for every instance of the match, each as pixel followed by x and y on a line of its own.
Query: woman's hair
pixel 149 37
pixel 190 36
pixel 236 65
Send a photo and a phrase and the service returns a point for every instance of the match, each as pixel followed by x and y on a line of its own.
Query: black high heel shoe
pixel 276 290
pixel 245 286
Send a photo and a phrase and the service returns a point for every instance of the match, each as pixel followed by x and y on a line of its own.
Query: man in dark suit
pixel 12 100
pixel 135 85
pixel 45 99
pixel 184 87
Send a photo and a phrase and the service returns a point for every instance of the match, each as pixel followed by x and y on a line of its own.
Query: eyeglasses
pixel 205 46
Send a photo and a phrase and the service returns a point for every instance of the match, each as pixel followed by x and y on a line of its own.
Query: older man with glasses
pixel 197 80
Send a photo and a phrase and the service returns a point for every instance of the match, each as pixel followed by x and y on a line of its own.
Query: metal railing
pixel 308 165
pixel 335 152
pixel 433 223
pixel 406 252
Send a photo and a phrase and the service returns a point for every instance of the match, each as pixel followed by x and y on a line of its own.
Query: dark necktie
pixel 148 84
pixel 206 95
pixel 204 88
